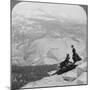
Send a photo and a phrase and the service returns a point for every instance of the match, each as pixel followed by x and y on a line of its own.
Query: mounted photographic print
pixel 49 44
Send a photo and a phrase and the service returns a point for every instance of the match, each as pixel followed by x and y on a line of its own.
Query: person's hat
pixel 72 46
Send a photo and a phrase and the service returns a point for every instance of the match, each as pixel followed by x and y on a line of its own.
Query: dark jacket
pixel 75 56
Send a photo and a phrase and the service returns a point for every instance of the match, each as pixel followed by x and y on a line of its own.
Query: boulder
pixel 81 68
pixel 70 76
pixel 82 79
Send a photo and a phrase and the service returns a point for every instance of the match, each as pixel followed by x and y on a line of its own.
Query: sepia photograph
pixel 49 44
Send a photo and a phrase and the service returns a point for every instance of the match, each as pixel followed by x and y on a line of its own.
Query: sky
pixel 59 11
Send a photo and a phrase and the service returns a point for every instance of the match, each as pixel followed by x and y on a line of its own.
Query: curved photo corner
pixel 48 45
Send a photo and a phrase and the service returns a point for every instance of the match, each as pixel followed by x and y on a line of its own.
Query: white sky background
pixel 59 11
pixel 71 12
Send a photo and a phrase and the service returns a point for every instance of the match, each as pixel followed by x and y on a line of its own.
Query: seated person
pixel 65 62
pixel 75 56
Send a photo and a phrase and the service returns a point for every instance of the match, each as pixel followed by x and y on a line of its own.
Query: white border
pixel 62 1
pixel 5 44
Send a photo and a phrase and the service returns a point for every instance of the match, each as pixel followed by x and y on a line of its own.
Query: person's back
pixel 75 56
pixel 62 64
pixel 65 62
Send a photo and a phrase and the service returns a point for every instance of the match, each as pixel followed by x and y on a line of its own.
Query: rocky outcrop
pixel 83 67
pixel 82 79
pixel 70 76
pixel 77 76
